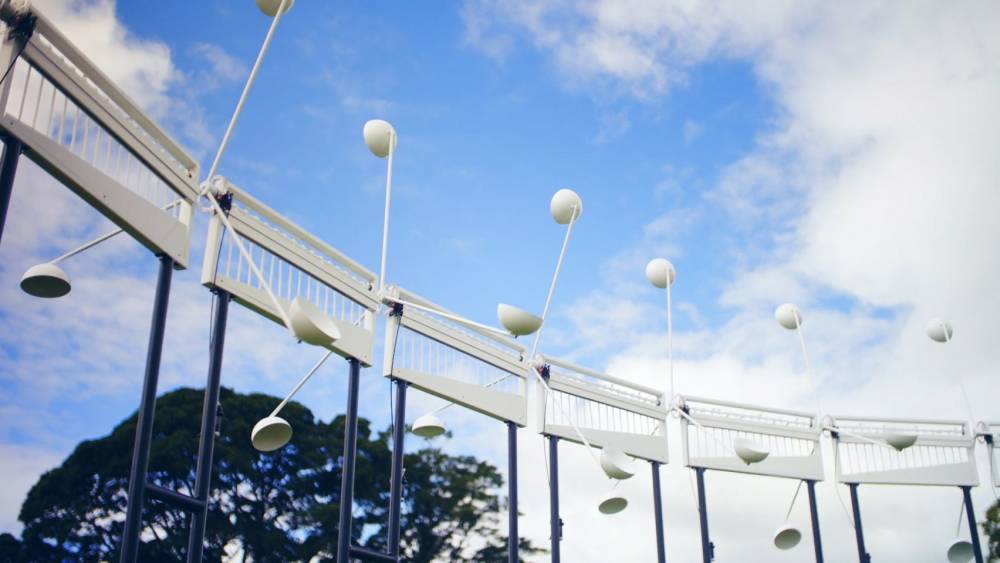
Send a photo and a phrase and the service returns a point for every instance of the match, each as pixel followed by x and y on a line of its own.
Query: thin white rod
pixel 385 220
pixel 687 417
pixel 246 92
pixel 961 382
pixel 552 286
pixel 792 505
pixel 858 437
pixel 572 420
pixel 670 334
pixel 250 263
pixel 99 240
pixel 448 316
pixel 805 358
pixel 301 383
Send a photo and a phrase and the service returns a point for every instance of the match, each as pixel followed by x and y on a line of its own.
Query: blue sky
pixel 834 156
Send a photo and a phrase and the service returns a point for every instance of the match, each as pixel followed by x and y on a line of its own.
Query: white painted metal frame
pixel 84 130
pixel 608 411
pixel 296 264
pixel 944 453
pixel 463 364
pixel 994 452
pixel 791 437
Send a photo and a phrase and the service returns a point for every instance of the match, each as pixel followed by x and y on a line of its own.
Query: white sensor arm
pixel 301 383
pixel 552 286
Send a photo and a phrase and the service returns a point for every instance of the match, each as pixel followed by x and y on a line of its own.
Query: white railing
pixel 458 362
pixel 606 409
pixel 84 130
pixel 790 438
pixel 942 454
pixel 294 264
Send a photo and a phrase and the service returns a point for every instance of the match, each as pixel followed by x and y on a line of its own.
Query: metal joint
pixel 396 310
pixel 544 371
pixel 20 24
pixel 225 202
pixel 218 420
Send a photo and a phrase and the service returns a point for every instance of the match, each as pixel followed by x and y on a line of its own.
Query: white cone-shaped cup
pixel 616 463
pixel 562 206
pixel 612 503
pixel 379 136
pixel 270 7
pixel 749 451
pixel 428 426
pixel 939 330
pixel 660 272
pixel 960 551
pixel 311 325
pixel 45 280
pixel 900 441
pixel 270 433
pixel 518 321
pixel 788 316
pixel 787 537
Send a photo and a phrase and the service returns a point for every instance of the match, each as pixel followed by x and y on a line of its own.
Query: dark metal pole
pixel 555 523
pixel 707 547
pixel 859 533
pixel 973 530
pixel 512 536
pixel 661 550
pixel 8 169
pixel 814 515
pixel 209 416
pixel 398 451
pixel 147 408
pixel 350 456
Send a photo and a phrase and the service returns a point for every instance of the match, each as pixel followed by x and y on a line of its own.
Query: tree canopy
pixel 277 506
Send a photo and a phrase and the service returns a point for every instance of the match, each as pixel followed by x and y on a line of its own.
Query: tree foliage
pixel 991 527
pixel 278 506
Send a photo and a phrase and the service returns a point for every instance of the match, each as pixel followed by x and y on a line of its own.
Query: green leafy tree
pixel 991 527
pixel 278 506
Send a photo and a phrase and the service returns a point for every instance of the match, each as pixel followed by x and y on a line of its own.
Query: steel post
pixel 973 529
pixel 814 517
pixel 350 457
pixel 209 417
pixel 398 451
pixel 8 170
pixel 555 523
pixel 859 533
pixel 512 536
pixel 147 409
pixel 661 549
pixel 707 547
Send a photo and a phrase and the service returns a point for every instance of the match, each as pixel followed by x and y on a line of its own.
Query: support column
pixel 513 539
pixel 977 550
pixel 147 408
pixel 398 452
pixel 209 418
pixel 8 170
pixel 555 523
pixel 661 550
pixel 707 547
pixel 814 516
pixel 350 457
pixel 859 533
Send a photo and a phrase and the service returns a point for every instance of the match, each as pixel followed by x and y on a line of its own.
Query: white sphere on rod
pixel 660 272
pixel 939 330
pixel 788 316
pixel 565 206
pixel 270 7
pixel 380 137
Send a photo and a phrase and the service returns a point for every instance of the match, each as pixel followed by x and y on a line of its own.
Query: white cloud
pixel 871 201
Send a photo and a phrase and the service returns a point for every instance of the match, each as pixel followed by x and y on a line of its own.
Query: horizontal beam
pixel 366 554
pixel 175 499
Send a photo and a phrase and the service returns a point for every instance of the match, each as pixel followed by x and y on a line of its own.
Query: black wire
pixel 14 61
pixel 392 365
